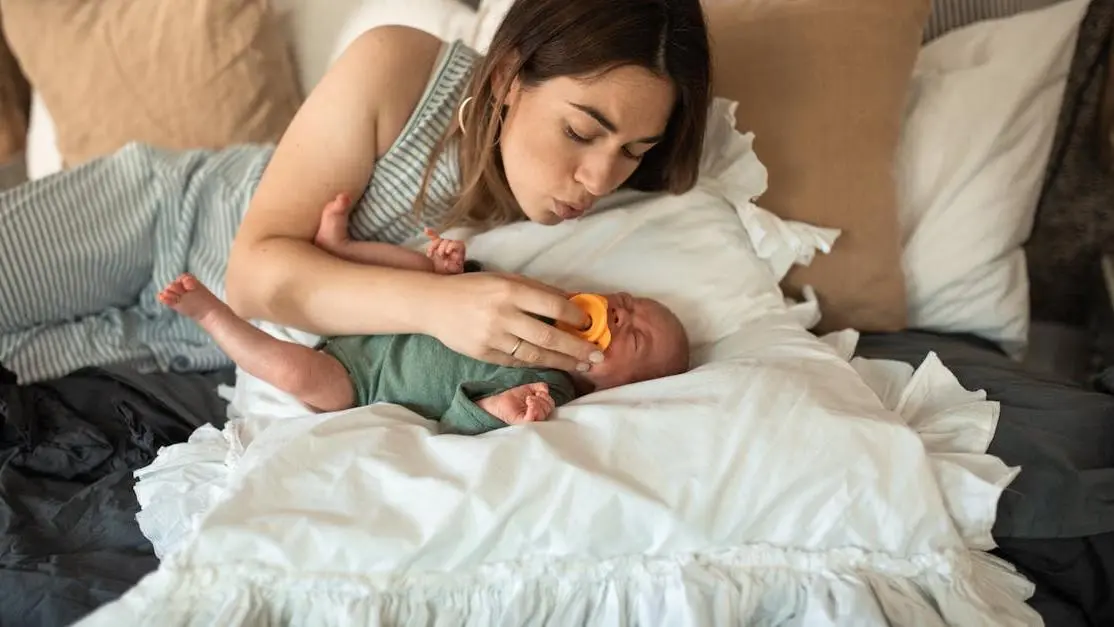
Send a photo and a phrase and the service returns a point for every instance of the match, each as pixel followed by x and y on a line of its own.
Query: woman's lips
pixel 565 211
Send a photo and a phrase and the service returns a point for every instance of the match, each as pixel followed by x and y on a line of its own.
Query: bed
pixel 72 542
pixel 82 453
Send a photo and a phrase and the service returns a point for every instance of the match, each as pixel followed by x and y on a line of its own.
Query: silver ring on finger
pixel 517 345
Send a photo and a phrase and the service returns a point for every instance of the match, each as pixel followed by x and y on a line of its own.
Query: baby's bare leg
pixel 314 378
pixel 332 236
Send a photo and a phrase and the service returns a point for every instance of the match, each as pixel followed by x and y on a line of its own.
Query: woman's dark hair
pixel 543 39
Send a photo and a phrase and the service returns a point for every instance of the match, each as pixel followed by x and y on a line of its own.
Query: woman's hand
pixel 534 283
pixel 485 315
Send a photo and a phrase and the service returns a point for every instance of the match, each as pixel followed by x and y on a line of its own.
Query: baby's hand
pixel 526 403
pixel 447 255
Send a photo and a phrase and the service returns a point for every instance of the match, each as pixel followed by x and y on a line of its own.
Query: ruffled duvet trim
pixel 722 587
pixel 956 426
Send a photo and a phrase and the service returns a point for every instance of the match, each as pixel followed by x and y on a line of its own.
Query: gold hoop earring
pixel 460 113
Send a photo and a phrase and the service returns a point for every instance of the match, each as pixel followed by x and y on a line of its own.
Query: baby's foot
pixel 192 299
pixel 332 233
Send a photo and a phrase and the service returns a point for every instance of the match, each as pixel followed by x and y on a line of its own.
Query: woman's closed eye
pixel 576 137
pixel 580 139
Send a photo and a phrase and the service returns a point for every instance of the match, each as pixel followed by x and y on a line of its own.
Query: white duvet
pixel 780 482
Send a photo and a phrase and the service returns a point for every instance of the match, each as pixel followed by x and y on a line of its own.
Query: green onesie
pixel 425 376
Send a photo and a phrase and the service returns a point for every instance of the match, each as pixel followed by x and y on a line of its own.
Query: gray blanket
pixel 1056 520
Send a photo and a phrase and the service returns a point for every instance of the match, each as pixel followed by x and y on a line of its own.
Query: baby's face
pixel 647 342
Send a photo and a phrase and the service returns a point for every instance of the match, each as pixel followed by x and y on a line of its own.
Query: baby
pixel 466 395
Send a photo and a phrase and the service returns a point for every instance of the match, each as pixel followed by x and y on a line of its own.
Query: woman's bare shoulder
pixel 399 62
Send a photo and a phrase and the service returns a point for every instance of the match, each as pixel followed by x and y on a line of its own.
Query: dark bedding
pixel 1056 520
pixel 68 537
pixel 70 542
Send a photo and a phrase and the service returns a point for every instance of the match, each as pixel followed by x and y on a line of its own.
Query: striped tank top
pixel 385 211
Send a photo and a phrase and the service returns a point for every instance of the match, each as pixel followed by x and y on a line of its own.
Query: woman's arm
pixel 357 110
pixel 276 273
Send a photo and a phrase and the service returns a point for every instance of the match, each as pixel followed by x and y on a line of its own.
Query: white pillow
pixel 711 255
pixel 43 157
pixel 322 30
pixel 489 14
pixel 981 121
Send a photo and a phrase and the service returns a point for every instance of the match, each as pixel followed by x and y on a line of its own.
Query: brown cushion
pixel 15 104
pixel 201 73
pixel 823 85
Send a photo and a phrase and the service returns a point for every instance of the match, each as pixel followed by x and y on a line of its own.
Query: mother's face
pixel 570 141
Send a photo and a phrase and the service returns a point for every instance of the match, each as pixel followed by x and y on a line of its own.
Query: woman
pixel 573 101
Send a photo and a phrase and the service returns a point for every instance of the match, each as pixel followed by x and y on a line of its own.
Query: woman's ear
pixel 513 93
pixel 505 77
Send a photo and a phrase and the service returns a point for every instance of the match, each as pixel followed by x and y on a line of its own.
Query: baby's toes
pixel 173 290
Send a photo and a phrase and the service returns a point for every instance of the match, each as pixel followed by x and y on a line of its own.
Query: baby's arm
pixel 530 402
pixel 443 256
pixel 315 378
pixel 482 406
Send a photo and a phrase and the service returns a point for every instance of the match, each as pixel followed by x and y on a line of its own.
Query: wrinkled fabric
pixel 1060 434
pixel 1072 575
pixel 69 541
pixel 777 483
pixel 1055 523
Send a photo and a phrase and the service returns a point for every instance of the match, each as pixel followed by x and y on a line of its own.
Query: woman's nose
pixel 597 174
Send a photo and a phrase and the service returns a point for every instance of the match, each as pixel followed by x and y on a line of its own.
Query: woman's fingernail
pixel 582 367
pixel 596 357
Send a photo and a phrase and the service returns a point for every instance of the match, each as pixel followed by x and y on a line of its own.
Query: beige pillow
pixel 822 84
pixel 174 73
pixel 15 105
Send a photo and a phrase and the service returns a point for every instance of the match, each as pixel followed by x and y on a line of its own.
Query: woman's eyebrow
pixel 610 126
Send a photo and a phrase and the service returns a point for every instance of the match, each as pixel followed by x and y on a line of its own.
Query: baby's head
pixel 647 342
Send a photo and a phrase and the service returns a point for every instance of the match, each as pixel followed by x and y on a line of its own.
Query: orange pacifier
pixel 597 330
